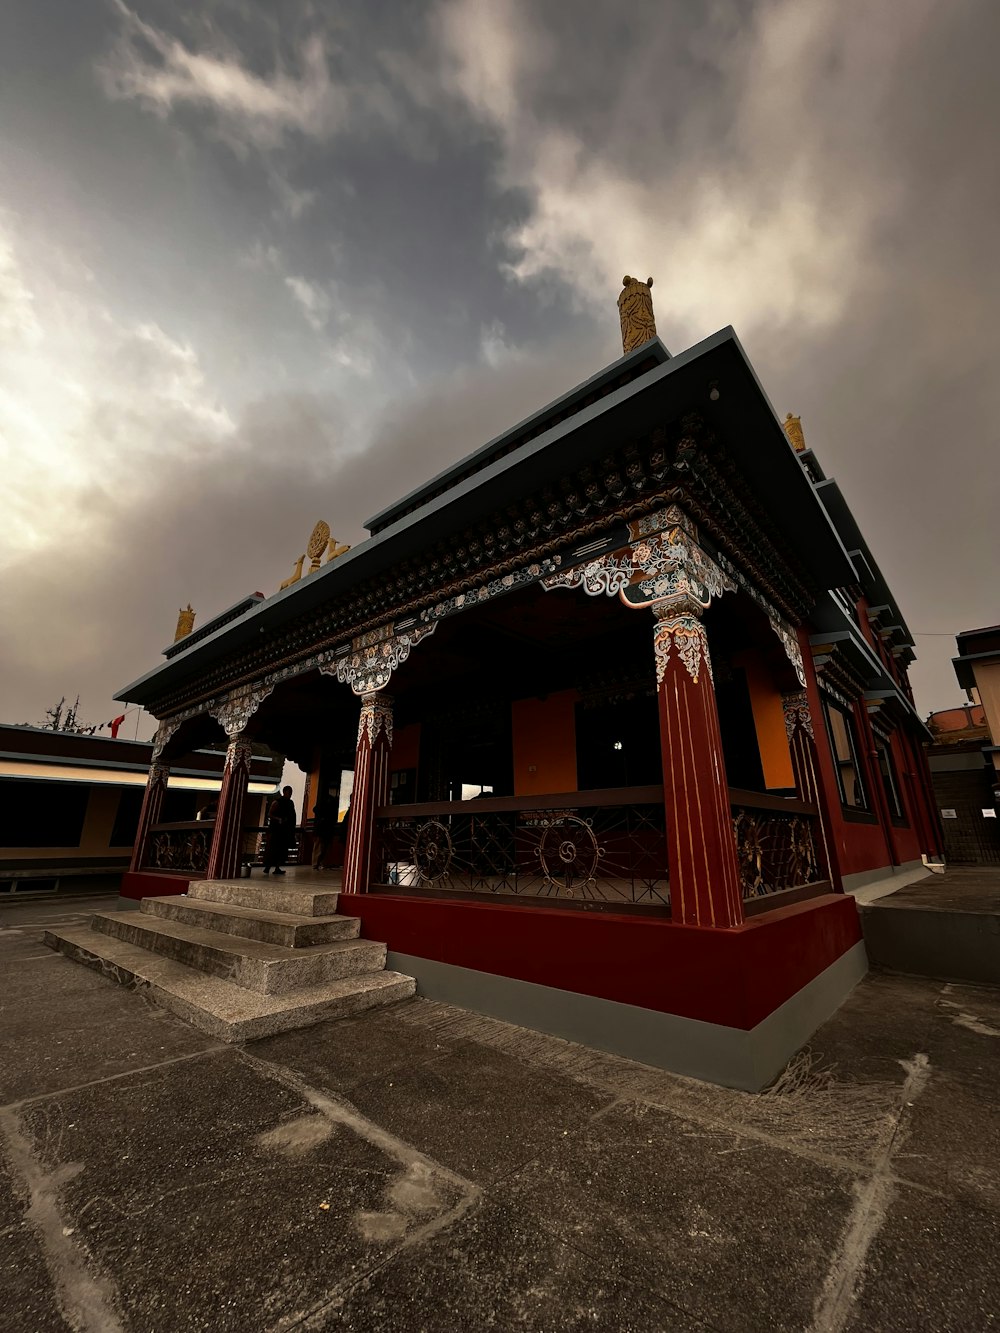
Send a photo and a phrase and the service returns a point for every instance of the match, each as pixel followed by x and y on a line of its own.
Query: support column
pixel 802 744
pixel 152 804
pixel 371 789
pixel 225 858
pixel 705 885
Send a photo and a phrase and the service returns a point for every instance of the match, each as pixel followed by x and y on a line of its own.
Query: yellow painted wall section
pixel 769 721
pixel 544 735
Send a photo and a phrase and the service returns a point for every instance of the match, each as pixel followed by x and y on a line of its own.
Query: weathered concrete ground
pixel 421 1168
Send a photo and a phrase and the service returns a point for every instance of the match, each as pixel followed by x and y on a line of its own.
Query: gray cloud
pixel 270 263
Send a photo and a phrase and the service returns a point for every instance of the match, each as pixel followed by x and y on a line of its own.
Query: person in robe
pixel 324 828
pixel 280 831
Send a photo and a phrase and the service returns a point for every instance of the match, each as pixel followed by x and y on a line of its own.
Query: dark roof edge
pixel 458 471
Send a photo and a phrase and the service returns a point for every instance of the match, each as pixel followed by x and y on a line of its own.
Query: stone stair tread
pixel 216 1006
pixel 247 913
pixel 237 945
pixel 265 894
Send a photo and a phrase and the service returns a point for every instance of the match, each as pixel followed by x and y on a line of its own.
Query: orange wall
pixel 769 720
pixel 544 733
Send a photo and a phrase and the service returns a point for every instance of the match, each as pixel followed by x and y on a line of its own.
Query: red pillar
pixel 705 885
pixel 801 733
pixel 227 839
pixel 152 804
pixel 371 789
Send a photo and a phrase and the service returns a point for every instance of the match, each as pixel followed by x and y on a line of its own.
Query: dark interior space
pixel 618 744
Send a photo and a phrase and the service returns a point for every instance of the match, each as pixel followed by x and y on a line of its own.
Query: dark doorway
pixel 618 744
pixel 739 733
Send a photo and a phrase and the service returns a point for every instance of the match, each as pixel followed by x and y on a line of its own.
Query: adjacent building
pixel 70 804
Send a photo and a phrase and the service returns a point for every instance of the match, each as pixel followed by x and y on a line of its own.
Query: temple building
pixel 621 703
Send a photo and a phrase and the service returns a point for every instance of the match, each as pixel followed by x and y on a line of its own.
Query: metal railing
pixel 778 843
pixel 606 847
pixel 597 847
pixel 180 846
pixel 185 846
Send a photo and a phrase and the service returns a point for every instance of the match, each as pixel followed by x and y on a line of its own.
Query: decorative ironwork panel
pixel 614 854
pixel 775 850
pixel 180 848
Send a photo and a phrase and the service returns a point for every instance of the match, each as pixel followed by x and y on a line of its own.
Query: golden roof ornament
pixel 793 429
pixel 185 623
pixel 635 309
pixel 320 542
pixel 317 545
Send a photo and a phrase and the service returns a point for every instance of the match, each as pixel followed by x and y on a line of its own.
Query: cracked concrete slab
pixel 427 1168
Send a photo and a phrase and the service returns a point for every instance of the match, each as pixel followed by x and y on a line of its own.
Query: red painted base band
pixel 152 884
pixel 732 977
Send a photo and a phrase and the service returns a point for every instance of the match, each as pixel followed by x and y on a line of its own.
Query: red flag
pixel 114 724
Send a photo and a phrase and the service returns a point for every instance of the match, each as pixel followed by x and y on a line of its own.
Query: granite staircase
pixel 238 959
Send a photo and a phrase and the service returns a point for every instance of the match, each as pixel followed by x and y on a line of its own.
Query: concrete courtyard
pixel 423 1168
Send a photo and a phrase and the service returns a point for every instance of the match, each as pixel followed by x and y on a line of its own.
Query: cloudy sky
pixel 269 261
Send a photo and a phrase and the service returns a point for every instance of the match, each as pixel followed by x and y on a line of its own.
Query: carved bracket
pixel 662 565
pixel 163 733
pixel 234 710
pixel 375 719
pixel 798 716
pixel 375 657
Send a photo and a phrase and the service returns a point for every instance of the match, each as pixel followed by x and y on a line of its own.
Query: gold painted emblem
pixel 317 545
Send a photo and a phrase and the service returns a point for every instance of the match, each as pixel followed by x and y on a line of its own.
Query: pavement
pixel 959 889
pixel 424 1168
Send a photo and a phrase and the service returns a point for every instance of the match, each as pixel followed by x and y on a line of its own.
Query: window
pixel 43 814
pixel 887 771
pixel 840 725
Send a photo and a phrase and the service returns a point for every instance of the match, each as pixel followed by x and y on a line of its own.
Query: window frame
pixel 854 758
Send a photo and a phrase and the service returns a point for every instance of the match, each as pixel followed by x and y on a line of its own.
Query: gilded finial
pixel 635 310
pixel 317 545
pixel 294 576
pixel 185 623
pixel 793 429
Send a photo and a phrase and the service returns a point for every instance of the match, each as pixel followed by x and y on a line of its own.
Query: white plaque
pixel 990 813
pixel 949 814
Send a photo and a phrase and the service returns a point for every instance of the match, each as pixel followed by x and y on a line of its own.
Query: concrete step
pixel 267 894
pixel 948 943
pixel 226 1012
pixel 253 923
pixel 268 969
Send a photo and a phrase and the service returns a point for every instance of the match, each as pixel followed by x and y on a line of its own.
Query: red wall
pixel 734 977
pixel 153 884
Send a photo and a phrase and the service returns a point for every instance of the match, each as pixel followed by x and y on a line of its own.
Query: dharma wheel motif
pixel 432 850
pixel 317 544
pixel 569 854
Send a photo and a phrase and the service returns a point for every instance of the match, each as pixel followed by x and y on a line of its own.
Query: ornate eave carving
pixel 682 465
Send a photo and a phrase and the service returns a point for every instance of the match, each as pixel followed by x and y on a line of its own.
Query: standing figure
pixel 324 827
pixel 280 831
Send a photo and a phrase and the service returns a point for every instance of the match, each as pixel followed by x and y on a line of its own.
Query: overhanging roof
pixel 742 416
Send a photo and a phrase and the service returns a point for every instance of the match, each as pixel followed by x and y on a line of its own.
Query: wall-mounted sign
pixel 949 814
pixel 990 813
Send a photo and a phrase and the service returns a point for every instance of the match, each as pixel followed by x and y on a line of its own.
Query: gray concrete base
pixel 867 885
pixel 934 942
pixel 729 1056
